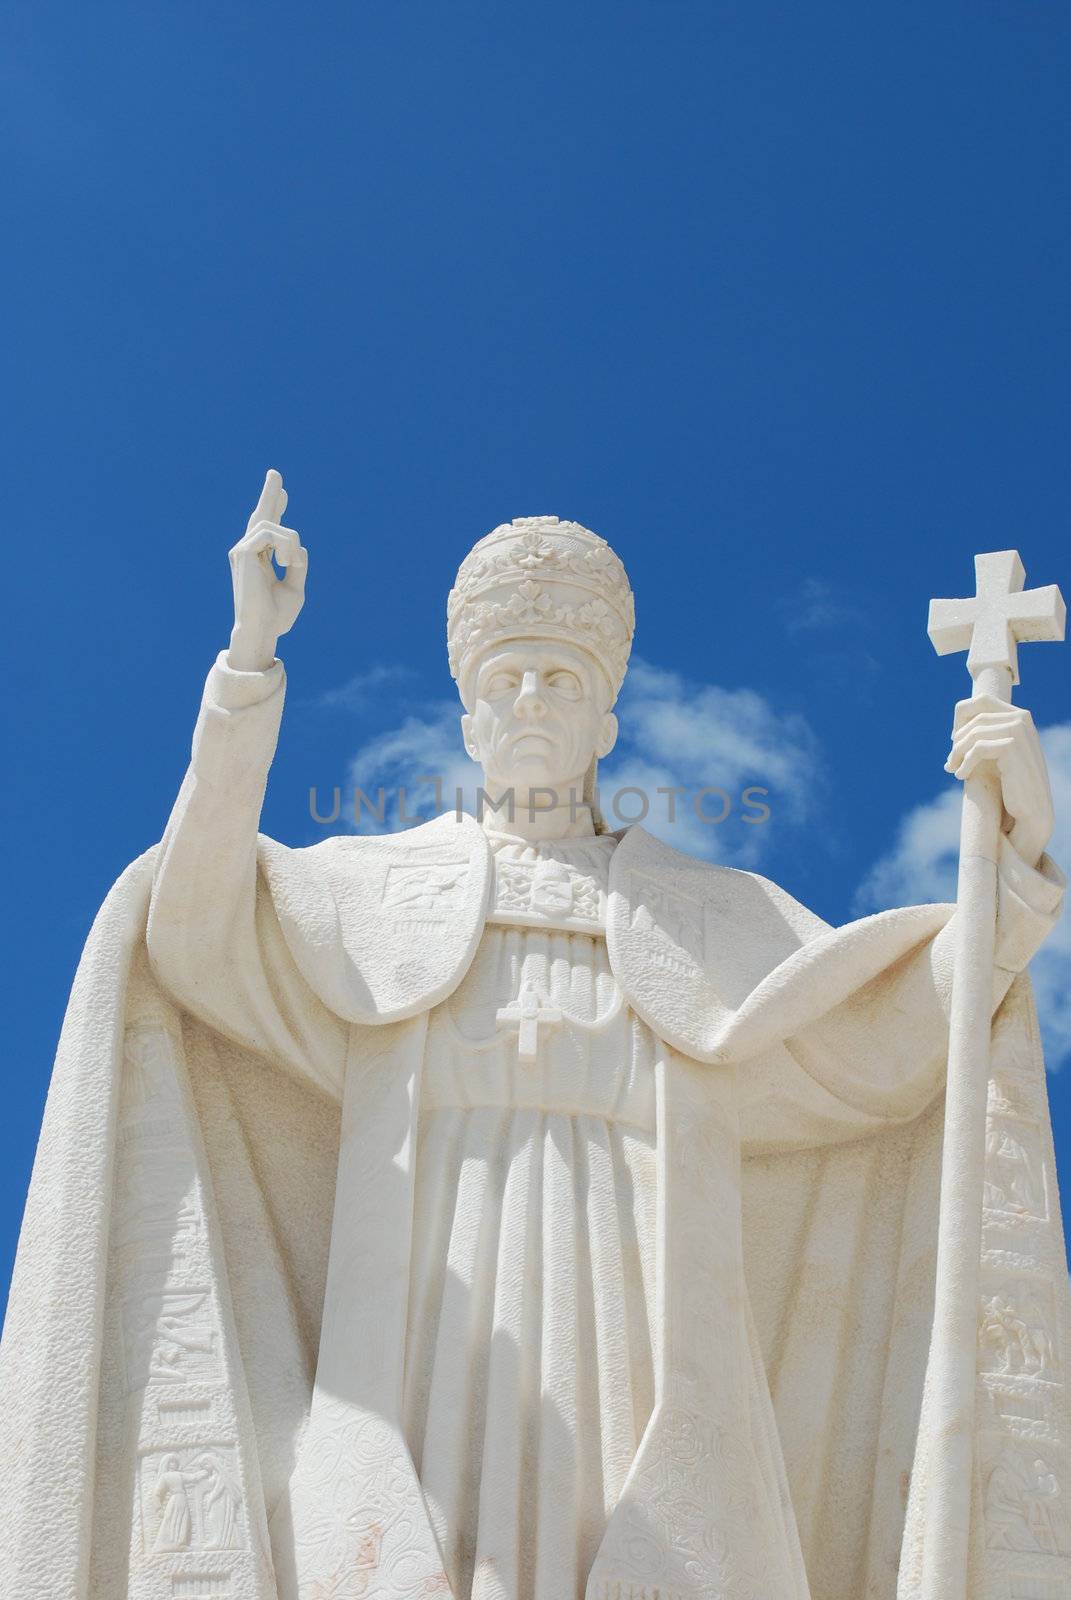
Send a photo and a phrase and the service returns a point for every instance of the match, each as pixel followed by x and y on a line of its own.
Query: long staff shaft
pixel 954 1350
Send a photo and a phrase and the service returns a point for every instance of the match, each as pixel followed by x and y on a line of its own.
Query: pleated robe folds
pixel 529 1368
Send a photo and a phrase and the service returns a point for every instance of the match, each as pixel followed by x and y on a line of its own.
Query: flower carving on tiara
pixel 534 550
pixel 564 549
pixel 529 603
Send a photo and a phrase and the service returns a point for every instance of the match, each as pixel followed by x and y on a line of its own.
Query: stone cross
pixel 991 625
pixel 528 1011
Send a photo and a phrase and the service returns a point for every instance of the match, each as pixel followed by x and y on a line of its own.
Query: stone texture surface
pixel 513 1211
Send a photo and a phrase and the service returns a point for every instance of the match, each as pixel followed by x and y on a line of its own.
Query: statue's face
pixel 539 715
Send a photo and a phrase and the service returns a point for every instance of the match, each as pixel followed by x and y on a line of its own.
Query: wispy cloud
pixel 922 866
pixel 677 732
pixel 817 607
pixel 833 628
pixel 424 746
pixel 358 692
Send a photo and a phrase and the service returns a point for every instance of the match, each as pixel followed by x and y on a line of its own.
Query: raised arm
pixel 213 936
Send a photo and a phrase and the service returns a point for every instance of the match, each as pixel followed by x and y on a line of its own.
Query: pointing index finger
pixel 272 503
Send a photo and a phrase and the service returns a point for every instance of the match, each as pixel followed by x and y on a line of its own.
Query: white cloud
pixel 922 863
pixel 429 746
pixel 922 866
pixel 677 732
pixel 674 733
pixel 817 607
pixel 356 693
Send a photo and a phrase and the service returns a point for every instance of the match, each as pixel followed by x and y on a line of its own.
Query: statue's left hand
pixel 987 729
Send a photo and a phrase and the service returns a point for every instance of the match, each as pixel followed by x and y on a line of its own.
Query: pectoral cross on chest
pixel 529 1011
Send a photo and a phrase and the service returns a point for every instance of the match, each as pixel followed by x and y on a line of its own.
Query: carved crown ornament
pixel 537 577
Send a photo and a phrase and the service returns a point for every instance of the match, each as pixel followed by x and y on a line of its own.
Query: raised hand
pixel 986 729
pixel 265 605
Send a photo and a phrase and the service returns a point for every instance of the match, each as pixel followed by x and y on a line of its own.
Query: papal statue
pixel 511 1209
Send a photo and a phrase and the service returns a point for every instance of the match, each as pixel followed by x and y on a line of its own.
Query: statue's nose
pixel 530 702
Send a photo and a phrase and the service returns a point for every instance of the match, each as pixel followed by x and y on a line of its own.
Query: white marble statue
pixel 509 1209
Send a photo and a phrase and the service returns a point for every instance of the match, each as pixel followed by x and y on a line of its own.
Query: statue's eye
pixel 567 684
pixel 501 683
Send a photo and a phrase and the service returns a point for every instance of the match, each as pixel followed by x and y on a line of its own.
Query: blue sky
pixel 772 296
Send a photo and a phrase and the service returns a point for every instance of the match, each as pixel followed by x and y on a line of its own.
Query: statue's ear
pixel 467 737
pixel 607 735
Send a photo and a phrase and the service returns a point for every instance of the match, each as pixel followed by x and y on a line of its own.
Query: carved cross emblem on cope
pixel 998 618
pixel 528 1011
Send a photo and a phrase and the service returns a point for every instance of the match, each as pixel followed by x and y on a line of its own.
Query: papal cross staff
pixel 990 627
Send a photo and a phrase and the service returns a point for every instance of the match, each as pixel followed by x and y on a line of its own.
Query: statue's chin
pixel 535 774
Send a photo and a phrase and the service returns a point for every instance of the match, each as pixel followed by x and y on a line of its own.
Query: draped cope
pixel 500 1328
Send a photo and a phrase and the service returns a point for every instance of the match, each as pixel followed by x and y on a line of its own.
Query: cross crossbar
pixel 999 617
pixel 528 1011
